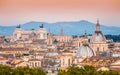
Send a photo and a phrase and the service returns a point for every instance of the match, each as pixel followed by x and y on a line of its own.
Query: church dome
pixel 85 51
pixel 98 36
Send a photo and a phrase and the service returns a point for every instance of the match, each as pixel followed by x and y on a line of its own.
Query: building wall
pixel 99 46
pixel 66 61
pixel 34 64
pixel 63 38
pixel 13 50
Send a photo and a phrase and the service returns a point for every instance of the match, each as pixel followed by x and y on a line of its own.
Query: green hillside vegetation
pixel 115 38
pixel 5 70
pixel 86 70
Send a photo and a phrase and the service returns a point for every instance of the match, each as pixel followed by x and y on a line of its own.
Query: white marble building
pixel 21 34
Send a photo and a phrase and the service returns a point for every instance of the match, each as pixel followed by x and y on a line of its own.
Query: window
pixel 63 62
pixel 68 62
pixel 97 48
pixel 35 64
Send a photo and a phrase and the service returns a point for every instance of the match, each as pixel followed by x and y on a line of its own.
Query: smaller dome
pixel 51 54
pixel 85 51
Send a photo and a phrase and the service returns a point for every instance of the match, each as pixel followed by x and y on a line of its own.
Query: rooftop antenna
pixel 97 21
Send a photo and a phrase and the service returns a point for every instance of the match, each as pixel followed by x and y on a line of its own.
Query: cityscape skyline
pixel 15 12
pixel 59 37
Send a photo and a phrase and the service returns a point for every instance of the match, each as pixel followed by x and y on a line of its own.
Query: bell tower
pixel 49 39
pixel 62 32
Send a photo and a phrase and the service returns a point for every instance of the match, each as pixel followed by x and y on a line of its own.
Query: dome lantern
pixel 97 26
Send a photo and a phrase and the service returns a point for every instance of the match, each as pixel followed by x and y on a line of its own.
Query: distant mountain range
pixel 70 28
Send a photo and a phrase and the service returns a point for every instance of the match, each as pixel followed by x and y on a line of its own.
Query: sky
pixel 14 12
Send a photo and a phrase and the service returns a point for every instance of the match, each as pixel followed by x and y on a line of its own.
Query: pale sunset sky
pixel 14 12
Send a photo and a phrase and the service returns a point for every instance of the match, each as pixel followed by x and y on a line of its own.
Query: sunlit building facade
pixel 21 34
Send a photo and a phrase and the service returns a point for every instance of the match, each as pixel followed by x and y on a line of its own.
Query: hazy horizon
pixel 14 12
pixel 57 22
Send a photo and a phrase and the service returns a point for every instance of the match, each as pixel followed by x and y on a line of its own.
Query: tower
pixel 62 31
pixel 49 39
pixel 85 38
pixel 78 42
pixel 98 26
pixel 85 34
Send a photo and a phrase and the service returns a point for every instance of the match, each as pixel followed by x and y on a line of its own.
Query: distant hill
pixel 70 28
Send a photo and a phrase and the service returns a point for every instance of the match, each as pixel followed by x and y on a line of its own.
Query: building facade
pixel 21 34
pixel 66 59
pixel 34 63
pixel 98 41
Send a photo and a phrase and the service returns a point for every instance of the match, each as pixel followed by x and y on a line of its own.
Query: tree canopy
pixel 6 70
pixel 86 70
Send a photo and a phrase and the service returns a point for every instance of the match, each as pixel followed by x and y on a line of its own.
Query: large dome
pixel 98 37
pixel 85 51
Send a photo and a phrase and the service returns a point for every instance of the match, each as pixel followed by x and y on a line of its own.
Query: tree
pixel 75 71
pixel 112 73
pixel 5 70
pixel 86 70
pixel 89 70
pixel 20 71
pixel 28 71
pixel 38 71
pixel 62 72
